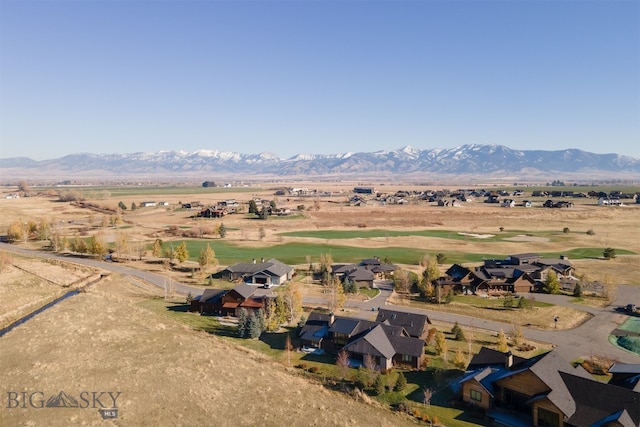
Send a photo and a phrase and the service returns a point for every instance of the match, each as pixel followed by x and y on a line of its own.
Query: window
pixel 407 358
pixel 475 395
pixel 547 418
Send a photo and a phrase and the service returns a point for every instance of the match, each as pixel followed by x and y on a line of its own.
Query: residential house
pixel 241 297
pixel 416 325
pixel 458 280
pixel 502 281
pixel 210 302
pixel 365 273
pixel 518 273
pixel 213 212
pixel 546 390
pixel 389 345
pixel 266 273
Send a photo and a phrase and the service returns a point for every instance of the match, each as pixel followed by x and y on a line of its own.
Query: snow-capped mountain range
pixel 486 160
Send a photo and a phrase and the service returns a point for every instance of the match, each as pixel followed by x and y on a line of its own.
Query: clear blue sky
pixel 317 77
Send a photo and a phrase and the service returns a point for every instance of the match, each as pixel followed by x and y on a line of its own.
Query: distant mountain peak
pixel 468 159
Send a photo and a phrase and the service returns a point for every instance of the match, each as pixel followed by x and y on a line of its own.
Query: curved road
pixel 590 338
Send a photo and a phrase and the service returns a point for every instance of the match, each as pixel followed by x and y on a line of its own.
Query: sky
pixel 317 77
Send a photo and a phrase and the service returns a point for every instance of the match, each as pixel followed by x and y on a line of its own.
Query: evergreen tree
pixel 122 206
pixel 379 385
pixel 133 206
pixel 458 332
pixel 255 324
pixel 577 290
pixel 253 207
pixel 401 382
pixel 222 231
pixel 243 323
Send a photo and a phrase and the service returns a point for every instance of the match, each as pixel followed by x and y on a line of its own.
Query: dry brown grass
pixel 536 317
pixel 27 284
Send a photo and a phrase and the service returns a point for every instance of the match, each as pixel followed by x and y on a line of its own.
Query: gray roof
pixel 273 267
pixel 413 323
pixel 487 357
pixel 407 345
pixel 344 325
pixel 625 368
pixel 375 343
pixel 360 274
pixel 211 295
pixel 548 368
pixel 244 290
pixel 596 402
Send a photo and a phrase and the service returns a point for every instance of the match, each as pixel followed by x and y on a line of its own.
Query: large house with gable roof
pixel 266 273
pixel 545 391
pixel 228 302
pixel 388 344
pixel 519 273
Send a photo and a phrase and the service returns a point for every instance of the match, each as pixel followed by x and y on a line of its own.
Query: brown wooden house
pixel 547 390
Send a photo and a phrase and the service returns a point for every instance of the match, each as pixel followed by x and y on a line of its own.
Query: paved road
pixel 590 338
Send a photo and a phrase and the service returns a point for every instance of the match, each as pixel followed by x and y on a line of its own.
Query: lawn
pixel 474 301
pixel 229 253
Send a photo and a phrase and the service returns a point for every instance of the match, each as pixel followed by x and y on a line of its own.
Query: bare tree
pixel 288 347
pixel 369 363
pixel 427 394
pixel 343 362
pixel 402 281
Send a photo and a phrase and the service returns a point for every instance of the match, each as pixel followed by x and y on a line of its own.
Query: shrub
pixel 314 369
pixel 508 301
pixel 404 407
pixel 379 385
pixel 565 230
pixel 401 382
pixel 590 232
pixel 609 253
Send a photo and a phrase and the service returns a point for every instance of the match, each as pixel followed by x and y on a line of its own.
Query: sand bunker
pixel 477 236
pixel 525 238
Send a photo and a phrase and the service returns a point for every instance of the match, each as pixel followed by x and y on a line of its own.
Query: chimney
pixel 508 359
pixel 332 318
